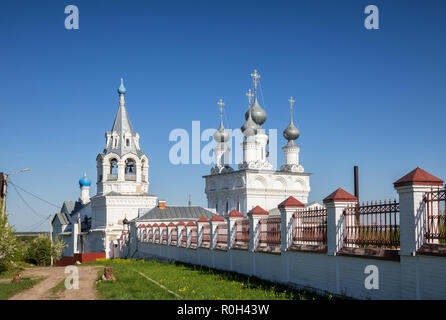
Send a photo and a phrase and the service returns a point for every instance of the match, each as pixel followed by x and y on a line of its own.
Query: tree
pixel 58 246
pixel 8 242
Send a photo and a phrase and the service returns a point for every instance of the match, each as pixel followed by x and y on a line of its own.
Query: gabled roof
pixel 235 214
pixel 418 176
pixel 202 219
pixel 174 212
pixel 191 224
pixel 340 195
pixel 217 218
pixel 291 202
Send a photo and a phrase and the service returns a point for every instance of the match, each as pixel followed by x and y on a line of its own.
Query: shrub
pixel 39 252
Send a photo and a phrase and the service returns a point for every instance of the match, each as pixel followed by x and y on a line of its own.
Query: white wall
pixel 419 277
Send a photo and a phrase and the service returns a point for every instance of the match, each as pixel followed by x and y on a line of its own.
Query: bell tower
pixel 122 167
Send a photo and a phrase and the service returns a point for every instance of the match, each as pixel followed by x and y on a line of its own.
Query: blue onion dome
pixel 122 89
pixel 257 113
pixel 221 135
pixel 291 133
pixel 249 128
pixel 84 181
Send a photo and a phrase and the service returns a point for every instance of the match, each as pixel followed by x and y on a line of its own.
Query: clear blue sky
pixel 370 98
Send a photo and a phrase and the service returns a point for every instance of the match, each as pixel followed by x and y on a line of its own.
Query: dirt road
pixel 53 276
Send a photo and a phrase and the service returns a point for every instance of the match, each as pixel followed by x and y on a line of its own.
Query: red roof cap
pixel 291 202
pixel 141 226
pixel 418 177
pixel 148 225
pixel 340 195
pixel 171 224
pixel 163 225
pixel 155 225
pixel 202 219
pixel 217 218
pixel 191 224
pixel 235 214
pixel 181 223
pixel 258 211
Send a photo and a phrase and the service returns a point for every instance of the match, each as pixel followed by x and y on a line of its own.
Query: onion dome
pixel 122 89
pixel 221 135
pixel 291 133
pixel 84 181
pixel 249 128
pixel 257 113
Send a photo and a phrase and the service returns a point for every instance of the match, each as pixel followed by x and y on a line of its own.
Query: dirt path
pixel 53 276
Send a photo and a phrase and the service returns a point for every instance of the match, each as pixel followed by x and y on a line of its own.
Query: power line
pixel 26 203
pixel 32 194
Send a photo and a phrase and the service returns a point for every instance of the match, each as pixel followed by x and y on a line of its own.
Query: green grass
pixel 190 282
pixel 20 266
pixel 57 288
pixel 9 289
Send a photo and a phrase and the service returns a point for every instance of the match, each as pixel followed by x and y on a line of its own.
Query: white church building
pixel 93 226
pixel 255 183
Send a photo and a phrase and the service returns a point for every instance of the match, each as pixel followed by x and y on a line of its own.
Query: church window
pixel 115 142
pixel 216 207
pixel 227 207
pixel 127 142
pixel 113 166
pixel 130 166
pixel 238 205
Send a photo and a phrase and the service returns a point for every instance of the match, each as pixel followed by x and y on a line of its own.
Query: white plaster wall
pixel 420 277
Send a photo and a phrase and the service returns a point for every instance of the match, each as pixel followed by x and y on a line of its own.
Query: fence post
pixel 287 208
pixel 233 216
pixel 215 221
pixel 200 223
pixel 254 226
pixel 335 203
pixel 411 190
pixel 170 227
pixel 180 226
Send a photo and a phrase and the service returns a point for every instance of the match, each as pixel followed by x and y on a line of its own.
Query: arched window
pixel 130 166
pixel 113 166
pixel 227 206
pixel 127 142
pixel 143 170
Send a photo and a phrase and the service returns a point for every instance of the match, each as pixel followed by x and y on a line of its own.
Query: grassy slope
pixel 190 282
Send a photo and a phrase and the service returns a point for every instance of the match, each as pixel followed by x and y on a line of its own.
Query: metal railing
pixel 270 232
pixel 206 235
pixel 173 237
pixel 193 236
pixel 310 226
pixel 242 232
pixel 222 234
pixel 373 225
pixel 435 218
pixel 183 237
pixel 164 236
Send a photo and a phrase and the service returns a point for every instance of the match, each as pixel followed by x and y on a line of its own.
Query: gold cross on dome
pixel 221 104
pixel 291 100
pixel 255 76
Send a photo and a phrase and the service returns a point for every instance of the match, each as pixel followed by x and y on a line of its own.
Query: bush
pixel 39 252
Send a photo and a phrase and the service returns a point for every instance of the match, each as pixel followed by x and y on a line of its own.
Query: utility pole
pixel 51 237
pixel 4 184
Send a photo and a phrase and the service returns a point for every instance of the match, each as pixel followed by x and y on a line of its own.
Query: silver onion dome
pixel 291 133
pixel 221 135
pixel 249 128
pixel 257 113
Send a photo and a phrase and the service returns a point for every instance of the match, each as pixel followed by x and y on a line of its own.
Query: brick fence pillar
pixel 287 208
pixel 335 203
pixel 233 216
pixel 254 226
pixel 411 190
pixel 215 221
